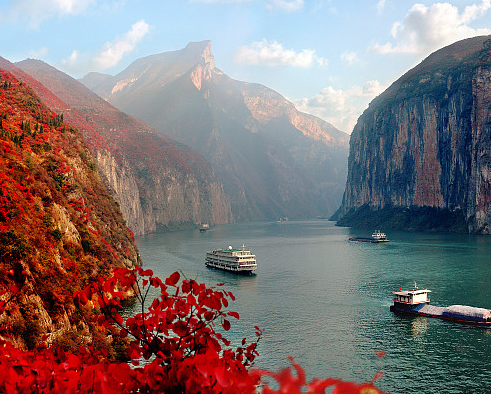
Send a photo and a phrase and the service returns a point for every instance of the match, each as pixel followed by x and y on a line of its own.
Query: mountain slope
pixel 273 160
pixel 59 227
pixel 425 140
pixel 159 183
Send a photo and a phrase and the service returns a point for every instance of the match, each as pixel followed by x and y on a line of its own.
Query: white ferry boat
pixel 240 261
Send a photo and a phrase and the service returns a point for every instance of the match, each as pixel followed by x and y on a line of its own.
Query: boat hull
pixel 442 313
pixel 237 271
pixel 369 240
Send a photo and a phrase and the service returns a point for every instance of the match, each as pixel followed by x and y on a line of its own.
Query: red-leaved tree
pixel 173 347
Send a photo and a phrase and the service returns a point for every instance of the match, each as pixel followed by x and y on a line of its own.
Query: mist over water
pixel 325 300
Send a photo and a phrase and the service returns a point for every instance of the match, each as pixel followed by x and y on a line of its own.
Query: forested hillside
pixel 59 227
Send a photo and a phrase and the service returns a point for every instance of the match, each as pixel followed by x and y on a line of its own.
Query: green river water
pixel 325 300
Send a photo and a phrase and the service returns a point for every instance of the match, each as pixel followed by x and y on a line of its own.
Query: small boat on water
pixel 204 227
pixel 377 237
pixel 416 302
pixel 239 261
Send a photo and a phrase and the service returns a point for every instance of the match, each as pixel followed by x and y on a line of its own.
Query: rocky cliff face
pixel 426 140
pixel 272 160
pixel 59 227
pixel 158 183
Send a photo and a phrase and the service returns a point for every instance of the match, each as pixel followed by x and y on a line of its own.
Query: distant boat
pixel 416 302
pixel 239 261
pixel 377 237
pixel 204 227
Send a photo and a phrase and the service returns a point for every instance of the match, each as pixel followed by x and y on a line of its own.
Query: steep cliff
pixel 426 140
pixel 59 227
pixel 272 160
pixel 158 183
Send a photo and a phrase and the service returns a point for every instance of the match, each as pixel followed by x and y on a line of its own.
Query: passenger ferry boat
pixel 377 237
pixel 239 261
pixel 416 302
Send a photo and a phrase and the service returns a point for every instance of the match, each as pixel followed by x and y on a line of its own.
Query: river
pixel 325 300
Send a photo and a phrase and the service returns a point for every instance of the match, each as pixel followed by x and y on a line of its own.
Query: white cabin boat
pixel 240 261
pixel 378 236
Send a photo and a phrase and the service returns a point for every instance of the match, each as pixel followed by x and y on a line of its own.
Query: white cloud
pixel 349 57
pixel 381 6
pixel 37 11
pixel 425 29
pixel 341 107
pixel 110 54
pixel 272 54
pixel 285 5
pixel 114 51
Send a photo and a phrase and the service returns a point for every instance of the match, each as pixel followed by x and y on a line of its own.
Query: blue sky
pixel 329 57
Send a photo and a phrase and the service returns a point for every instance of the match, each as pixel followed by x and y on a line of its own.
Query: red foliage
pixel 177 333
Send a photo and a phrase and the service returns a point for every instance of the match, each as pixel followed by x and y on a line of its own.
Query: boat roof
pixel 411 292
pixel 229 249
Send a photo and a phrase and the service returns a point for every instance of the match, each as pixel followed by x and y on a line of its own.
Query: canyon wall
pixel 425 141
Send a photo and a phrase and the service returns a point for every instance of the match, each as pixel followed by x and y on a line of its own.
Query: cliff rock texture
pixel 158 183
pixel 59 227
pixel 273 161
pixel 426 141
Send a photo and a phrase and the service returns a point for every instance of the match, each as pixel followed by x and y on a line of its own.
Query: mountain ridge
pixel 159 183
pixel 242 129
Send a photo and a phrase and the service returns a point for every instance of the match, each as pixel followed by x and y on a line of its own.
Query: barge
pixel 377 237
pixel 417 302
pixel 238 261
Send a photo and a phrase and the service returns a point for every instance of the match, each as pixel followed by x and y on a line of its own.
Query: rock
pixel 425 141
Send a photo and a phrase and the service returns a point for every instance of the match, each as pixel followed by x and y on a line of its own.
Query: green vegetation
pixel 412 218
pixel 13 246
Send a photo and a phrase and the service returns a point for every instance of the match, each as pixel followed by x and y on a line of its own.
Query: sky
pixel 329 57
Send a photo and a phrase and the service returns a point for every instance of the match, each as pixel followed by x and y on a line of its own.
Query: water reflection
pixel 419 325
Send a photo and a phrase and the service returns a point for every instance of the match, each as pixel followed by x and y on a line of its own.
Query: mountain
pixel 59 226
pixel 272 160
pixel 426 143
pixel 160 184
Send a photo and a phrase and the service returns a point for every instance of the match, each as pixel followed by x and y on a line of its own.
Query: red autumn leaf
pixel 209 315
pixel 226 324
pixel 173 279
pixel 118 319
pixel 233 314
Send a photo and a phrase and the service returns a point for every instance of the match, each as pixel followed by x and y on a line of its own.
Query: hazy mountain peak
pixel 206 65
pixel 203 52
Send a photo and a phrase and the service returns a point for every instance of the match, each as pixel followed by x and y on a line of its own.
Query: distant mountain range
pixel 420 155
pixel 159 183
pixel 272 160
